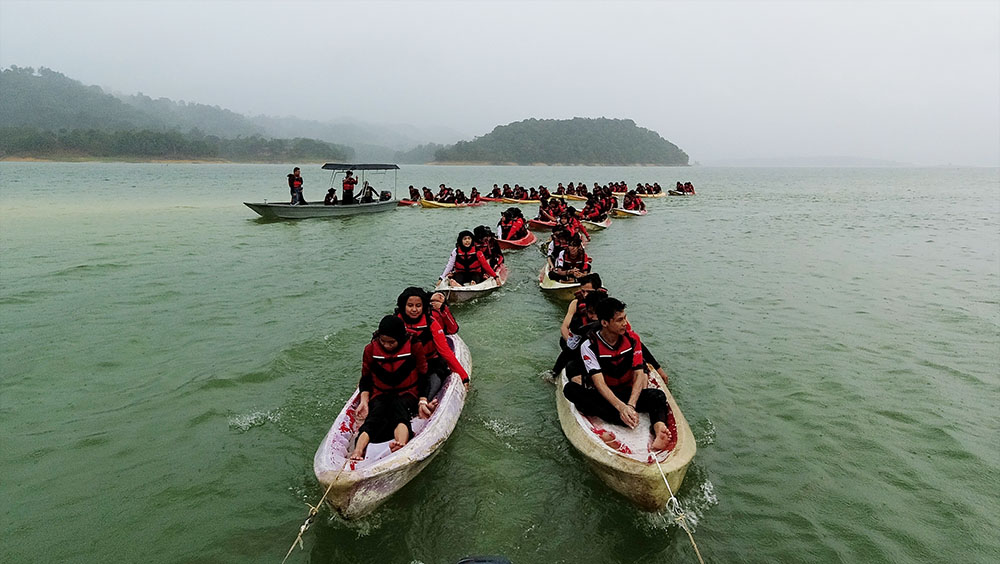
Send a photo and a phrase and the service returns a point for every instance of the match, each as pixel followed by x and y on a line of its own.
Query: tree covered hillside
pixel 584 141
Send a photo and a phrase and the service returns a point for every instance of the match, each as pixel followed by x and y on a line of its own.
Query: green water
pixel 170 363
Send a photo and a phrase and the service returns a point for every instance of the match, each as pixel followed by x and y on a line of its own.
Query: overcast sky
pixel 916 82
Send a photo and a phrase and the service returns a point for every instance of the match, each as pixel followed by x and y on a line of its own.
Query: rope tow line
pixel 313 510
pixel 675 507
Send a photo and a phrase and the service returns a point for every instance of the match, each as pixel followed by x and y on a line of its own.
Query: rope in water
pixel 675 507
pixel 313 510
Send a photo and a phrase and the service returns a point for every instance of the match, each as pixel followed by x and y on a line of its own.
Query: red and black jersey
pixel 396 372
pixel 616 363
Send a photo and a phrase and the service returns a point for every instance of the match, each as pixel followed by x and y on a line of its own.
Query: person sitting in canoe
pixel 543 192
pixel 511 225
pixel 507 191
pixel 487 244
pixel 441 313
pixel 557 244
pixel 656 188
pixel 571 222
pixel 428 195
pixel 393 388
pixel 331 197
pixel 544 210
pixel 633 202
pixel 467 265
pixel 496 193
pixel 414 193
pixel 578 322
pixel 688 188
pixel 533 194
pixel 460 197
pixel 413 307
pixel 617 388
pixel 591 211
pixel 475 197
pixel 572 263
pixel 561 190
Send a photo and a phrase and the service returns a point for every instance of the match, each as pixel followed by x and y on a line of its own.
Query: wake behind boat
pixel 358 487
pixel 368 200
pixel 630 469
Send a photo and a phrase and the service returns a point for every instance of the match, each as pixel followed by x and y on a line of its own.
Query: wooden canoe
pixel 596 225
pixel 630 470
pixel 521 243
pixel 569 197
pixel 433 204
pixel 515 201
pixel 622 212
pixel 459 294
pixel 358 487
pixel 660 195
pixel 557 290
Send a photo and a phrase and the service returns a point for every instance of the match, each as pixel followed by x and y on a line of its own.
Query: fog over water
pixel 913 82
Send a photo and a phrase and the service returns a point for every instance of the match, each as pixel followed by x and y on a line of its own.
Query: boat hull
pixel 553 289
pixel 541 225
pixel 356 488
pixel 287 211
pixel 634 473
pixel 619 212
pixel 596 225
pixel 526 241
pixel 460 294
pixel 433 204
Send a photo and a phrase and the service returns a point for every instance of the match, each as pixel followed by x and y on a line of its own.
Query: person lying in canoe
pixel 393 388
pixel 487 244
pixel 467 265
pixel 572 263
pixel 441 313
pixel 413 307
pixel 617 388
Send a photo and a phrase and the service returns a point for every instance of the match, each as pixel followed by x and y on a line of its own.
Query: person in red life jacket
pixel 617 388
pixel 475 197
pixel 633 202
pixel 347 189
pixel 507 192
pixel 441 313
pixel 561 190
pixel 543 192
pixel 414 193
pixel 573 223
pixel 427 194
pixel 545 209
pixel 591 212
pixel 393 388
pixel 572 263
pixel 495 193
pixel 413 307
pixel 467 264
pixel 460 197
pixel 512 225
pixel 533 194
pixel 688 188
pixel 557 243
pixel 577 323
pixel 331 197
pixel 295 183
pixel 487 244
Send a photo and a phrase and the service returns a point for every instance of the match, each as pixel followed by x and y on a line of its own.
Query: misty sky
pixel 916 82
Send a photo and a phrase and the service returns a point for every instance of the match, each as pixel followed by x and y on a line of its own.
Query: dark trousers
pixel 348 197
pixel 589 401
pixel 385 411
pixel 438 372
pixel 297 197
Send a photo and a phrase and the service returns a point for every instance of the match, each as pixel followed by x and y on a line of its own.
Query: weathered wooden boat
pixel 435 204
pixel 526 241
pixel 631 469
pixel 541 224
pixel 358 487
pixel 622 212
pixel 459 294
pixel 596 225
pixel 273 210
pixel 554 289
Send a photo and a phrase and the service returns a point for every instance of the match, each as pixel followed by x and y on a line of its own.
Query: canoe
pixel 514 201
pixel 676 193
pixel 459 294
pixel 521 243
pixel 269 210
pixel 433 204
pixel 557 290
pixel 358 487
pixel 569 197
pixel 631 470
pixel 541 224
pixel 410 203
pixel 622 212
pixel 660 195
pixel 488 199
pixel 596 225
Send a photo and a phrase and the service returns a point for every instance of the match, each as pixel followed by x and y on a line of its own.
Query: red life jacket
pixel 296 182
pixel 582 263
pixel 467 261
pixel 616 363
pixel 419 330
pixel 349 183
pixel 394 372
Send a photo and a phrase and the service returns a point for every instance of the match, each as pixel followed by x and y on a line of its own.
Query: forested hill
pixel 49 115
pixel 583 141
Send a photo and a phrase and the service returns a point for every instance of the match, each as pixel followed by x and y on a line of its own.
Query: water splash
pixel 245 422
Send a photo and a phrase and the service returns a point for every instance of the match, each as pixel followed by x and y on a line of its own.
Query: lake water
pixel 170 363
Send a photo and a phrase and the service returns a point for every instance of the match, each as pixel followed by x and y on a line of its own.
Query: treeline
pixel 585 141
pixel 151 144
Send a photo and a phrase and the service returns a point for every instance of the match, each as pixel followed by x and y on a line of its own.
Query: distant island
pixel 47 115
pixel 577 141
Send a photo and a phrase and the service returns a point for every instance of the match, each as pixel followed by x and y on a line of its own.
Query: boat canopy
pixel 338 166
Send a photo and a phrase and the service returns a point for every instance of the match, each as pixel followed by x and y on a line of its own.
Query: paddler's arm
pixel 441 344
pixel 570 313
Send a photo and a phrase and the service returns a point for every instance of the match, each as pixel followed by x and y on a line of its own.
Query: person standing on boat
pixel 613 359
pixel 393 387
pixel 295 182
pixel 347 194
